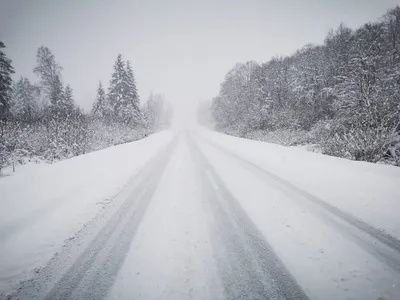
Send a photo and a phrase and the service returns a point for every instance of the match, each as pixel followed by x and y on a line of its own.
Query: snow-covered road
pixel 209 216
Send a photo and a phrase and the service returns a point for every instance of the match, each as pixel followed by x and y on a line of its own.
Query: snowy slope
pixel 40 209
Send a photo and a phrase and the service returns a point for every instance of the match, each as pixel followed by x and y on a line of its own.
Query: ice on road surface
pixel 201 215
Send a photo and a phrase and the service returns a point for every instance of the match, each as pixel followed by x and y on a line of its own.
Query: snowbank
pixel 42 207
pixel 368 191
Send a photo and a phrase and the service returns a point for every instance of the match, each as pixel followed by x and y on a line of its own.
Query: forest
pixel 342 97
pixel 41 121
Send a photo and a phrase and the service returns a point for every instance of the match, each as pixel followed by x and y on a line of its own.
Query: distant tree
pixel 240 99
pixel 122 94
pixel 306 83
pixel 132 90
pixel 6 70
pixel 47 124
pixel 67 103
pixel 131 106
pixel 25 104
pixel 204 114
pixel 153 107
pixel 158 112
pixel 56 98
pixel 49 72
pixel 118 88
pixel 344 93
pixel 336 49
pixel 101 107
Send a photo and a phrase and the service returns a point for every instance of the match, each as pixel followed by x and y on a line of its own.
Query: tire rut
pixel 247 265
pixel 377 242
pixel 94 271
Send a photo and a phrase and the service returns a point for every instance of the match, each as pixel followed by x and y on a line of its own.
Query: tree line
pixel 343 95
pixel 41 120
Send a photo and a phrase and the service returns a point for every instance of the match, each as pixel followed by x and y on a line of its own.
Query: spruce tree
pixel 117 89
pixel 5 83
pixel 67 105
pixel 133 102
pixel 56 97
pixel 100 106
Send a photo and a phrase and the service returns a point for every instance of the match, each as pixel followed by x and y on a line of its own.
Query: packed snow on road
pixel 198 214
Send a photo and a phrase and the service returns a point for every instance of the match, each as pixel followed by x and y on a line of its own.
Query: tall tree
pixel 132 90
pixel 118 88
pixel 6 70
pixel 67 104
pixel 241 98
pixel 157 111
pixel 100 106
pixel 131 106
pixel 56 97
pixel 49 72
pixel 25 103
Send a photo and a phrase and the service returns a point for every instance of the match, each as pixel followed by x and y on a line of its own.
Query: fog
pixel 181 49
pixel 286 187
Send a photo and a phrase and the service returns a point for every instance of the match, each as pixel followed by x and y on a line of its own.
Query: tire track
pixel 377 242
pixel 94 271
pixel 247 265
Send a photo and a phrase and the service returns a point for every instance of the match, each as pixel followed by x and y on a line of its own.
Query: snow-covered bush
pixel 366 144
pixel 52 140
pixel 286 137
pixel 393 153
pixel 102 134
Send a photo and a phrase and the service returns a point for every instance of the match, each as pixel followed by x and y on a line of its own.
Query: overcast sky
pixel 179 48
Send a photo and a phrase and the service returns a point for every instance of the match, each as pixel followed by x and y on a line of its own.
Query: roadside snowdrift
pixel 40 209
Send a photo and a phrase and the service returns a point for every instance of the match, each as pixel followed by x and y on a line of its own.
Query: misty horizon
pixel 182 49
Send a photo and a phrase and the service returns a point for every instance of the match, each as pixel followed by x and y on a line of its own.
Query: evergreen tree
pixel 122 96
pixel 117 89
pixel 67 104
pixel 132 90
pixel 5 83
pixel 100 106
pixel 131 105
pixel 56 97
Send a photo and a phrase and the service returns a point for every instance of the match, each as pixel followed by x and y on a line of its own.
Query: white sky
pixel 182 49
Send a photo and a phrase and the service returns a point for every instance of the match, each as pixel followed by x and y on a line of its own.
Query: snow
pixel 42 207
pixel 171 255
pixel 320 251
pixel 368 191
pixel 191 232
pixel 25 168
